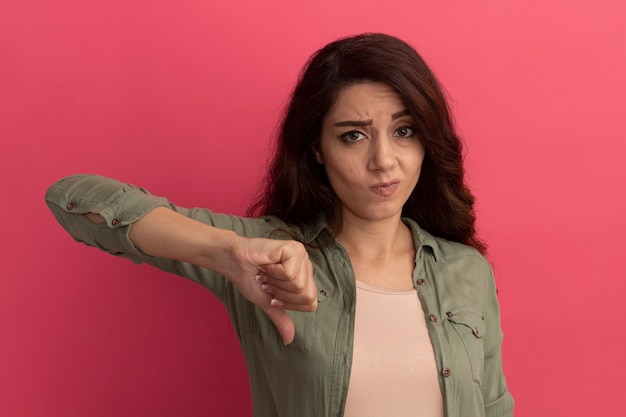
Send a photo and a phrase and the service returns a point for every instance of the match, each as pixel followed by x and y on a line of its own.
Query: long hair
pixel 296 188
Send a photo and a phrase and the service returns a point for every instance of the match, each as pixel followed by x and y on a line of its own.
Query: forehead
pixel 365 100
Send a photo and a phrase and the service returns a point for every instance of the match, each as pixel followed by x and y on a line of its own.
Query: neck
pixel 382 252
pixel 375 239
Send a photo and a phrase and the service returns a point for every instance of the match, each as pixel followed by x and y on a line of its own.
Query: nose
pixel 382 154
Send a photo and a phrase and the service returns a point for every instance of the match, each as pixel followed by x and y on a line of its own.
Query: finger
pixel 306 308
pixel 289 265
pixel 267 289
pixel 283 323
pixel 275 272
pixel 301 300
pixel 278 277
pixel 274 252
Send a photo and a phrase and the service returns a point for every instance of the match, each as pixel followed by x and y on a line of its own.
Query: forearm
pixel 167 234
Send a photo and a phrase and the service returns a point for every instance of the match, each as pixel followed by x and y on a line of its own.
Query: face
pixel 371 152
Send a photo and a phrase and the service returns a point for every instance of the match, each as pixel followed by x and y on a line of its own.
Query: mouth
pixel 385 189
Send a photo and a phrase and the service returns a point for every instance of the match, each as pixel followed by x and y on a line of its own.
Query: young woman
pixel 361 290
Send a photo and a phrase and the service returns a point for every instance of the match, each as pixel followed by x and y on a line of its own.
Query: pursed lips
pixel 385 189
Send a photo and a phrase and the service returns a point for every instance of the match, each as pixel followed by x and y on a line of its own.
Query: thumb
pixel 283 324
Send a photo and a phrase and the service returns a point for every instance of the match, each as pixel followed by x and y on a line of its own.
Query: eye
pixel 404 132
pixel 352 136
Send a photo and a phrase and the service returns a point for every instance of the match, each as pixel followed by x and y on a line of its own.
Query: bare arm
pixel 167 234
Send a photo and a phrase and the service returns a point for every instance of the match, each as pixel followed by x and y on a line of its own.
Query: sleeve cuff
pixel 119 204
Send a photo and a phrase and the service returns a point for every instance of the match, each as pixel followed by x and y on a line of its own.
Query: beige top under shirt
pixel 393 366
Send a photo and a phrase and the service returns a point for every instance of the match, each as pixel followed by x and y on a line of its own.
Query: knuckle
pixel 297 248
pixel 312 307
pixel 311 301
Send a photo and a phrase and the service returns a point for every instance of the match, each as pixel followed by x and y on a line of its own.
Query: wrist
pixel 217 253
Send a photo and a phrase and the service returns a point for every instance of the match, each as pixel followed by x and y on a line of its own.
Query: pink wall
pixel 182 97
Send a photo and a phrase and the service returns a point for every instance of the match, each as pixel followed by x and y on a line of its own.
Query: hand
pixel 285 279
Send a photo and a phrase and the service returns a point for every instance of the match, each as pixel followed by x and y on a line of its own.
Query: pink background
pixel 182 97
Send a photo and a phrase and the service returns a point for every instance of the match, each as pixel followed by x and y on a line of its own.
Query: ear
pixel 318 157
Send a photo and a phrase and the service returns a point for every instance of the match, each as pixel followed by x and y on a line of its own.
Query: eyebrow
pixel 399 114
pixel 363 123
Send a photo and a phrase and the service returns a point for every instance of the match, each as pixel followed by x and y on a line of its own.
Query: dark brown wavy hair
pixel 296 188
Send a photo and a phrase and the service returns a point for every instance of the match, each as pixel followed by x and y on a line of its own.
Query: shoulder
pixel 450 251
pixel 455 268
pixel 442 249
pixel 462 264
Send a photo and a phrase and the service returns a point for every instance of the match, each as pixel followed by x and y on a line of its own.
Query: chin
pixel 377 215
